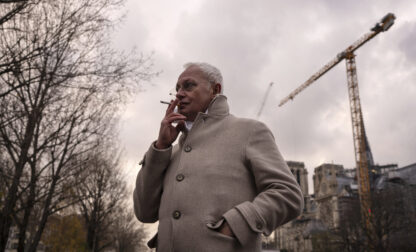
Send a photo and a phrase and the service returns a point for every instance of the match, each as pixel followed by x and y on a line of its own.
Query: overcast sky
pixel 254 43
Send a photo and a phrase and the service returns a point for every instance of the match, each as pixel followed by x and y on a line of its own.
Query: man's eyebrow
pixel 186 80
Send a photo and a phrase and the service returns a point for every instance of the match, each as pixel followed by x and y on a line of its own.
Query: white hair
pixel 212 73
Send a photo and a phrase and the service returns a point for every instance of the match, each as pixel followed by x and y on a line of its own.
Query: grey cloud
pixel 254 43
pixel 408 43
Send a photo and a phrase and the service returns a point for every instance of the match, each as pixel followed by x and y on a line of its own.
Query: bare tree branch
pixel 61 88
pixel 9 15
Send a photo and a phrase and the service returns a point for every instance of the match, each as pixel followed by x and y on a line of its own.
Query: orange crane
pixel 363 155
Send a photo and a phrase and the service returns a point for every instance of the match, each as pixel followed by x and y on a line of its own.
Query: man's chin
pixel 184 114
pixel 189 116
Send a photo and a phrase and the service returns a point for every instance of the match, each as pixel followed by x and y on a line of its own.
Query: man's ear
pixel 217 89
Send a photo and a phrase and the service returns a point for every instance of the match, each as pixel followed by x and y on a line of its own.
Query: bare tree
pixel 14 7
pixel 350 235
pixel 393 217
pixel 61 85
pixel 128 234
pixel 101 193
pixel 393 221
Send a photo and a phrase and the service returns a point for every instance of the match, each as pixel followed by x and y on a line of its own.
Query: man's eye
pixel 188 85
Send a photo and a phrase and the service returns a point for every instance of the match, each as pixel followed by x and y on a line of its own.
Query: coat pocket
pixel 215 225
pixel 152 243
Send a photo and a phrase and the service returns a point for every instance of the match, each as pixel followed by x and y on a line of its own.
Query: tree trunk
pixel 10 202
pixel 28 208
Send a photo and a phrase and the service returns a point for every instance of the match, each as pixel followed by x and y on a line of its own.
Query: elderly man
pixel 224 182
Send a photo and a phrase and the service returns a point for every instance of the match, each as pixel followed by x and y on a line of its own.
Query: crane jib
pixel 386 22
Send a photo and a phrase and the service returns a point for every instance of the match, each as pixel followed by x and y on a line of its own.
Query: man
pixel 225 181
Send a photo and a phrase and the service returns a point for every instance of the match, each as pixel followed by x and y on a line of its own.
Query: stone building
pixel 331 186
pixel 13 240
pixel 291 235
pixel 335 192
pixel 301 175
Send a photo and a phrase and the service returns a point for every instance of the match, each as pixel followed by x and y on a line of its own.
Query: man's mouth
pixel 183 104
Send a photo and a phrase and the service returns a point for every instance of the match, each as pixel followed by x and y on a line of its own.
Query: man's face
pixel 194 92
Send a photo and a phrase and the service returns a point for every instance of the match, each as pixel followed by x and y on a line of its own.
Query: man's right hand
pixel 168 133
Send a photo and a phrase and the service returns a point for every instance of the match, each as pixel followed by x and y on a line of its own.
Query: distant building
pixel 335 191
pixel 301 175
pixel 291 235
pixel 13 241
pixel 405 175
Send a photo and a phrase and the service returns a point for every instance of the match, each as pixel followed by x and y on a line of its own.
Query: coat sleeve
pixel 149 184
pixel 279 197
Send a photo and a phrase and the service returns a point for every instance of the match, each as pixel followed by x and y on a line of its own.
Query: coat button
pixel 176 214
pixel 188 148
pixel 259 226
pixel 180 177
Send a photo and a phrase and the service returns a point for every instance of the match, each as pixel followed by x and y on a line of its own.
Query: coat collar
pixel 218 106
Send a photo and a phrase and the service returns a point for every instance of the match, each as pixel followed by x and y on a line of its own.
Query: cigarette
pixel 165 102
pixel 175 110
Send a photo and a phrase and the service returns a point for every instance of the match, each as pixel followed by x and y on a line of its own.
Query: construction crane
pixel 264 100
pixel 363 156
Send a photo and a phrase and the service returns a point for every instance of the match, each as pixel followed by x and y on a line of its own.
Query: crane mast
pixel 363 156
pixel 360 142
pixel 264 100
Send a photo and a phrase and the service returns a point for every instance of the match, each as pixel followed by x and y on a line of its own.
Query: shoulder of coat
pixel 247 123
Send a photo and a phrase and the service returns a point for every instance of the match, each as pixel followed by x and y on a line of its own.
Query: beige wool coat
pixel 224 168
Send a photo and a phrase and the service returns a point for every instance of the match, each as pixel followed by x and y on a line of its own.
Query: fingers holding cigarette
pixel 173 106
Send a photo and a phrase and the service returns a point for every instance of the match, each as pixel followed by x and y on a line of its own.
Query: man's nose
pixel 180 94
